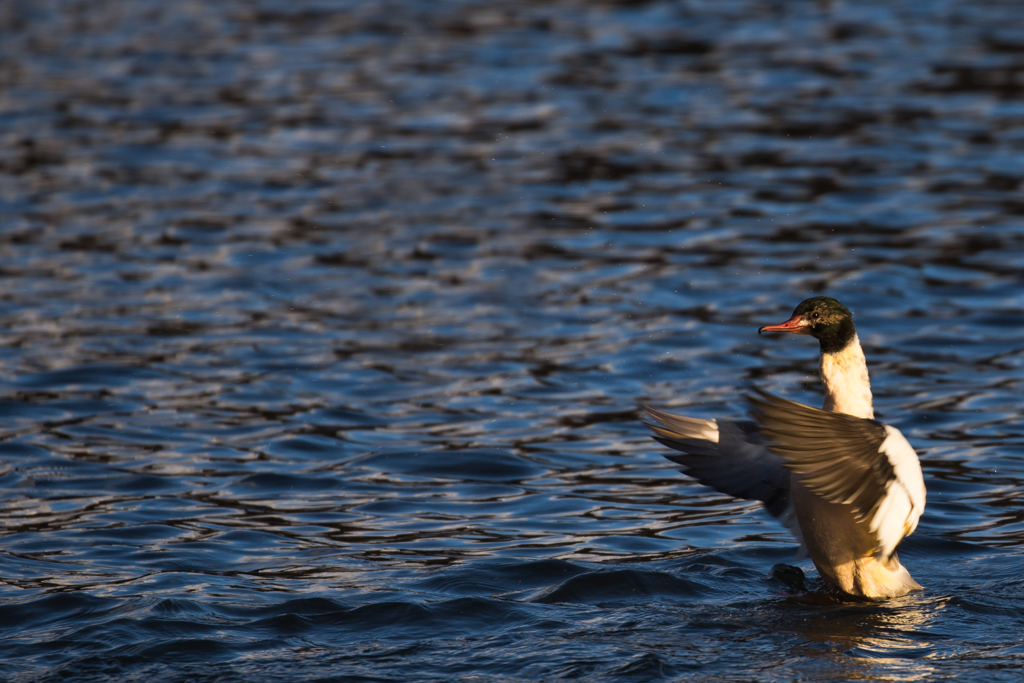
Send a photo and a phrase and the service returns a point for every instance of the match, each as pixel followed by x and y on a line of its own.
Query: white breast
pixel 904 497
pixel 847 387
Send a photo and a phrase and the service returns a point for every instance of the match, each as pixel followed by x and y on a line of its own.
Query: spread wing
pixel 730 457
pixel 845 459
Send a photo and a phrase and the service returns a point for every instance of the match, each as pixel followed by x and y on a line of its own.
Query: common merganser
pixel 847 486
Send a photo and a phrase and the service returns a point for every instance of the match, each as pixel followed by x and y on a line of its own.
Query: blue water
pixel 324 326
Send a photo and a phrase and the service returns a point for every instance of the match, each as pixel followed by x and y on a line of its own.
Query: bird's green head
pixel 822 317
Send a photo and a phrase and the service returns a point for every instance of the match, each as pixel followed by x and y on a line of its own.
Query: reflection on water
pixel 854 642
pixel 324 327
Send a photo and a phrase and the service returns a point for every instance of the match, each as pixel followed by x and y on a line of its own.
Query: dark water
pixel 324 323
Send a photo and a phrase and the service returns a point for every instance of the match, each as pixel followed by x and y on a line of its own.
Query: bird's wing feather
pixel 730 457
pixel 845 459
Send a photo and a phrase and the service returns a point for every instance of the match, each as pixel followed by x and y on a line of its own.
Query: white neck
pixel 845 376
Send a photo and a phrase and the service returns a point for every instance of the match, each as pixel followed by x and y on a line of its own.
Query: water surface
pixel 325 323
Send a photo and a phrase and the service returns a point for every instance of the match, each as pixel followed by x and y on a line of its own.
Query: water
pixel 324 325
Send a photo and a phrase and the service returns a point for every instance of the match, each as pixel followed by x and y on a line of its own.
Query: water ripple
pixel 325 326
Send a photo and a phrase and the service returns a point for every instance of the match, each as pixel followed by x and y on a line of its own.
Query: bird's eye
pixel 816 314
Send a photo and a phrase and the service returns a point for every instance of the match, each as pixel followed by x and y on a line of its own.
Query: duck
pixel 847 486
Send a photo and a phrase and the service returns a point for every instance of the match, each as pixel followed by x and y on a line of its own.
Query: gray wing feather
pixel 838 455
pixel 738 464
